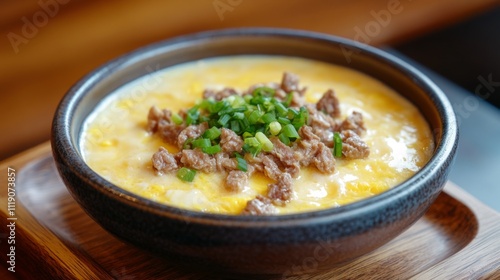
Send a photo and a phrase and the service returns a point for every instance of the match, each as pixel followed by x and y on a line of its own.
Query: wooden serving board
pixel 458 238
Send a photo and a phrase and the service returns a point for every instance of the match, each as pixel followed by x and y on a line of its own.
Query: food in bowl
pixel 223 135
pixel 266 244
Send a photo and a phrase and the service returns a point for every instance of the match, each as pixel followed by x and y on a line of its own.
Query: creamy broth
pixel 116 145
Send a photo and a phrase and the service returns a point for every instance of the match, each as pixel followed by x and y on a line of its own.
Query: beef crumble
pixel 227 149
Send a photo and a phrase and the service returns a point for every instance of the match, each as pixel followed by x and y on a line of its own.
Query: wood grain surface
pixel 48 45
pixel 456 239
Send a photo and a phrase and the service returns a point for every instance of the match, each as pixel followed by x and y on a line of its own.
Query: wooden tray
pixel 458 238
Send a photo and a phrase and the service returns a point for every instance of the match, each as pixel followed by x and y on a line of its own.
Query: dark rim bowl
pixel 269 244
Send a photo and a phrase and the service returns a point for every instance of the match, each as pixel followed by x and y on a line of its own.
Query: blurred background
pixel 47 45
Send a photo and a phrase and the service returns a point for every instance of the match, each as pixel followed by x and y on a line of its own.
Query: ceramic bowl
pixel 254 244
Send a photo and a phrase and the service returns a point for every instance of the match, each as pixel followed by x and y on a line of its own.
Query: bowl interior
pixel 403 78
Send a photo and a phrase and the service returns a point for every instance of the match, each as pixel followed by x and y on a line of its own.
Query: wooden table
pixel 458 238
pixel 45 48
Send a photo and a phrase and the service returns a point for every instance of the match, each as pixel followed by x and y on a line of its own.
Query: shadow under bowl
pixel 254 244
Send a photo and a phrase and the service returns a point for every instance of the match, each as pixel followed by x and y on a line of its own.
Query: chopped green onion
pixel 177 119
pixel 202 119
pixel 238 116
pixel 268 117
pixel 283 138
pixel 283 120
pixel 257 100
pixel 301 118
pixel 290 131
pixel 242 164
pixel 217 106
pixel 187 143
pixel 186 174
pixel 275 128
pixel 238 101
pixel 212 133
pixel 252 141
pixel 192 117
pixel 281 109
pixel 212 150
pixel 253 150
pixel 337 148
pixel 267 145
pixel 235 126
pixel 201 143
pixel 254 117
pixel 247 98
pixel 237 155
pixel 247 134
pixel 224 119
pixel 244 123
pixel 292 113
pixel 194 110
pixel 289 98
pixel 263 91
pixel 205 104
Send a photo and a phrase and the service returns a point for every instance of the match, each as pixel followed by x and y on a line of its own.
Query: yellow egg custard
pixel 117 145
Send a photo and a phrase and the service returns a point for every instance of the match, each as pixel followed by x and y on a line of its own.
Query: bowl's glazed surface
pixel 254 244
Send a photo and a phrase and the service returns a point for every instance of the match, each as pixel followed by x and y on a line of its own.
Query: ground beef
pixel 322 125
pixel 272 85
pixel 198 160
pixel 290 82
pixel 160 121
pixel 329 104
pixel 280 94
pixel 260 205
pixel 154 117
pixel 230 142
pixel 224 163
pixel 310 150
pixel 236 180
pixel 169 131
pixel 255 162
pixel 219 95
pixel 285 155
pixel 192 131
pixel 281 192
pixel 317 118
pixel 307 146
pixel 352 145
pixel 324 160
pixel 354 122
pixel 163 161
pixel 271 168
pixel 297 100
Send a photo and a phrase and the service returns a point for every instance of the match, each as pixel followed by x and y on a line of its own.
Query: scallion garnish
pixel 177 119
pixel 211 133
pixel 268 117
pixel 186 174
pixel 255 117
pixel 337 148
pixel 274 128
pixel 242 164
pixel 201 143
pixel 290 131
pixel 267 145
pixel 212 150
